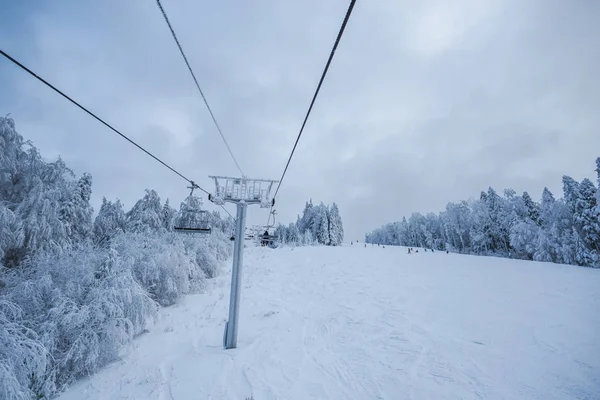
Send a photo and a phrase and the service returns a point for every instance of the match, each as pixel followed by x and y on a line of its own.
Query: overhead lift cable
pixel 198 85
pixel 102 121
pixel 337 41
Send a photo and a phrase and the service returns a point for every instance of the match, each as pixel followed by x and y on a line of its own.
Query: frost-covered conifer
pixel 145 216
pixel 110 221
pixel 336 227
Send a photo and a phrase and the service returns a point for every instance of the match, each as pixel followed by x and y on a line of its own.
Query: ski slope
pixel 372 323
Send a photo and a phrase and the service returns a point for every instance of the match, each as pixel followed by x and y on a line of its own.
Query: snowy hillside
pixel 372 323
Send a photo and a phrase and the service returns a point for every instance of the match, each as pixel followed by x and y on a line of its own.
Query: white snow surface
pixel 372 323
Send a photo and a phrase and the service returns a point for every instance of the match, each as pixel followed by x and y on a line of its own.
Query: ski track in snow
pixel 372 323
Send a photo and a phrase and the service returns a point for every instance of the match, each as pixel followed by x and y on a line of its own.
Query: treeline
pixel 565 230
pixel 75 290
pixel 320 224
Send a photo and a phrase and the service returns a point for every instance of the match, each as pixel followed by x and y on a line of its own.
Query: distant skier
pixel 409 250
pixel 425 250
pixel 446 251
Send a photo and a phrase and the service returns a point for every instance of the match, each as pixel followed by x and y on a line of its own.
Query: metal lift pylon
pixel 242 192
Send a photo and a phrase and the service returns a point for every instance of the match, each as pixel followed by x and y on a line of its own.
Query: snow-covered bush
pixel 165 267
pixel 74 293
pixel 23 358
pixel 82 307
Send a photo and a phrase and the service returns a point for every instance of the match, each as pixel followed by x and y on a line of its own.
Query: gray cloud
pixel 424 103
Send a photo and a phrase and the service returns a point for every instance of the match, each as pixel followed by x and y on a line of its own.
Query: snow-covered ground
pixel 372 323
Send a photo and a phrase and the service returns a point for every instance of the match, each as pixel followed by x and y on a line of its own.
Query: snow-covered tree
pixel 168 216
pixel 190 212
pixel 76 212
pixel 586 219
pixel 533 209
pixel 547 208
pixel 110 221
pixel 294 234
pixel 308 239
pixel 145 216
pixel 523 239
pixel 306 221
pixel 11 238
pixel 565 230
pixel 570 192
pixel 336 227
pixel 321 224
pixel 40 213
pixel 23 358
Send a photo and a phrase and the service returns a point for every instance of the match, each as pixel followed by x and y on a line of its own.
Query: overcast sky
pixel 425 102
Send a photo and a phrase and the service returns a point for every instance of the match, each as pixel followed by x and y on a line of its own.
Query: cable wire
pixel 198 85
pixel 94 116
pixel 337 41
pixel 103 122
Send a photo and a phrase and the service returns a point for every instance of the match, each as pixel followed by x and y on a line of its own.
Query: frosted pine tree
pixel 280 232
pixel 306 222
pixel 523 239
pixel 458 225
pixel 586 219
pixel 110 222
pixel 321 224
pixel 598 179
pixel 499 223
pixel 190 213
pixel 11 238
pixel 336 228
pixel 76 212
pixel 168 216
pixel 533 209
pixel 308 238
pixel 546 208
pixel 42 225
pixel 595 217
pixel 145 216
pixel 295 234
pixel 570 192
pixel 480 238
pixel 543 248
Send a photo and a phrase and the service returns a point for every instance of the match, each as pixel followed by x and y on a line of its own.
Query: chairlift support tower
pixel 242 192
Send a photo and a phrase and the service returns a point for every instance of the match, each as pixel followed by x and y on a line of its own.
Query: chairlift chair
pixel 201 223
pixel 267 239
